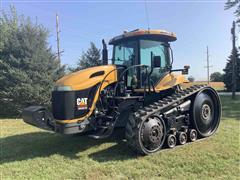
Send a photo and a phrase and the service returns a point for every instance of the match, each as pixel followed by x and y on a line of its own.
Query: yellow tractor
pixel 139 91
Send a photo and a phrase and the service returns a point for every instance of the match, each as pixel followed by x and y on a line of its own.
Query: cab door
pixel 126 55
pixel 149 48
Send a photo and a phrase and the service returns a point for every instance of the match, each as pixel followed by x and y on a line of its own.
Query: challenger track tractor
pixel 139 91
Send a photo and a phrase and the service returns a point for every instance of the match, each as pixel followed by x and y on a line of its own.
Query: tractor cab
pixel 144 53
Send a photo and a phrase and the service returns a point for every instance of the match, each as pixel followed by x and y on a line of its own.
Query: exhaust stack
pixel 104 53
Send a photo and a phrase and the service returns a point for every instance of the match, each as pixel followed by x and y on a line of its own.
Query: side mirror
pixel 156 62
pixel 185 69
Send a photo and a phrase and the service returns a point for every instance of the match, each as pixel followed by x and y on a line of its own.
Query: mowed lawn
pixel 30 153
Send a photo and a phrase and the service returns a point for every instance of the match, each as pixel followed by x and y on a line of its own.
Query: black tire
pixel 192 135
pixel 171 141
pixel 145 135
pixel 182 138
pixel 206 112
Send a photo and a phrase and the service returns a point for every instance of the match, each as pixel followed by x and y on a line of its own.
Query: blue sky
pixel 196 23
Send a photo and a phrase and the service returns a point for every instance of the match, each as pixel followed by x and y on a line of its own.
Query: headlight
pixel 62 88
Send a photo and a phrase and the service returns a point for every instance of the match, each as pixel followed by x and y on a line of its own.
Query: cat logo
pixel 82 103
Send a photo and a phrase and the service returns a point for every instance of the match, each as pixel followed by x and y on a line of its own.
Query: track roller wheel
pixel 192 135
pixel 171 141
pixel 182 138
pixel 206 112
pixel 146 136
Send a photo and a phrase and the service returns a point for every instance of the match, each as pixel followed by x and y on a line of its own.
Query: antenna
pixel 208 78
pixel 147 16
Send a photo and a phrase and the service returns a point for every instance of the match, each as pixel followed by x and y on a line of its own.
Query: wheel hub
pixel 152 132
pixel 172 141
pixel 193 135
pixel 183 138
pixel 155 134
pixel 206 112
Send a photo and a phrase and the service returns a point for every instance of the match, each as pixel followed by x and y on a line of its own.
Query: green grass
pixel 30 153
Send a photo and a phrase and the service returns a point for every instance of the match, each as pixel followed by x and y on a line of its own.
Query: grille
pixel 64 103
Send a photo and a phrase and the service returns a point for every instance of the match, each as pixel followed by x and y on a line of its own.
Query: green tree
pixel 227 77
pixel 234 3
pixel 28 67
pixel 216 77
pixel 90 58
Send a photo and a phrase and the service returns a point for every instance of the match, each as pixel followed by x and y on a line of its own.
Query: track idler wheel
pixel 192 135
pixel 182 138
pixel 206 112
pixel 171 141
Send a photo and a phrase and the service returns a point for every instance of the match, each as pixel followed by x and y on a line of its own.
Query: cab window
pixel 150 48
pixel 125 54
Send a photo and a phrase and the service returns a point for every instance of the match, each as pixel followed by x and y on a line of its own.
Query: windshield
pixel 125 53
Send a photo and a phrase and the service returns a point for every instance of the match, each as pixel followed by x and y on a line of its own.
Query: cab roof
pixel 145 34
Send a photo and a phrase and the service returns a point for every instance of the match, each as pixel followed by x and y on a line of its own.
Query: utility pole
pixel 208 66
pixel 58 41
pixel 233 60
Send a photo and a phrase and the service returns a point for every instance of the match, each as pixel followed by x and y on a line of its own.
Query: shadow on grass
pixel 118 152
pixel 230 108
pixel 44 144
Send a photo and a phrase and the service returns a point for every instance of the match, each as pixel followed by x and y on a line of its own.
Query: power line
pixel 208 67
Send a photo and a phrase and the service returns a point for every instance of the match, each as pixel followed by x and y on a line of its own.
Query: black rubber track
pixel 155 109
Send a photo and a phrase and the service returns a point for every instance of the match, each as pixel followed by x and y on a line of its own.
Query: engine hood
pixel 89 77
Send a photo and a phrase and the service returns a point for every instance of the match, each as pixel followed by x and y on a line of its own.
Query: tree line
pixel 28 65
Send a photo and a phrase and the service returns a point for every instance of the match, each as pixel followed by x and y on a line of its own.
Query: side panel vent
pixel 99 73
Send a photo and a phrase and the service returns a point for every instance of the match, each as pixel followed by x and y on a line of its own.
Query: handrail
pixel 104 81
pixel 139 65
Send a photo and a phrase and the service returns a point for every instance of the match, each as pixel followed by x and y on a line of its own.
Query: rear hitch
pixel 39 116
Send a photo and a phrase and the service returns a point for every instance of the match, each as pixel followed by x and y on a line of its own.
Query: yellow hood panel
pixel 170 80
pixel 81 79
